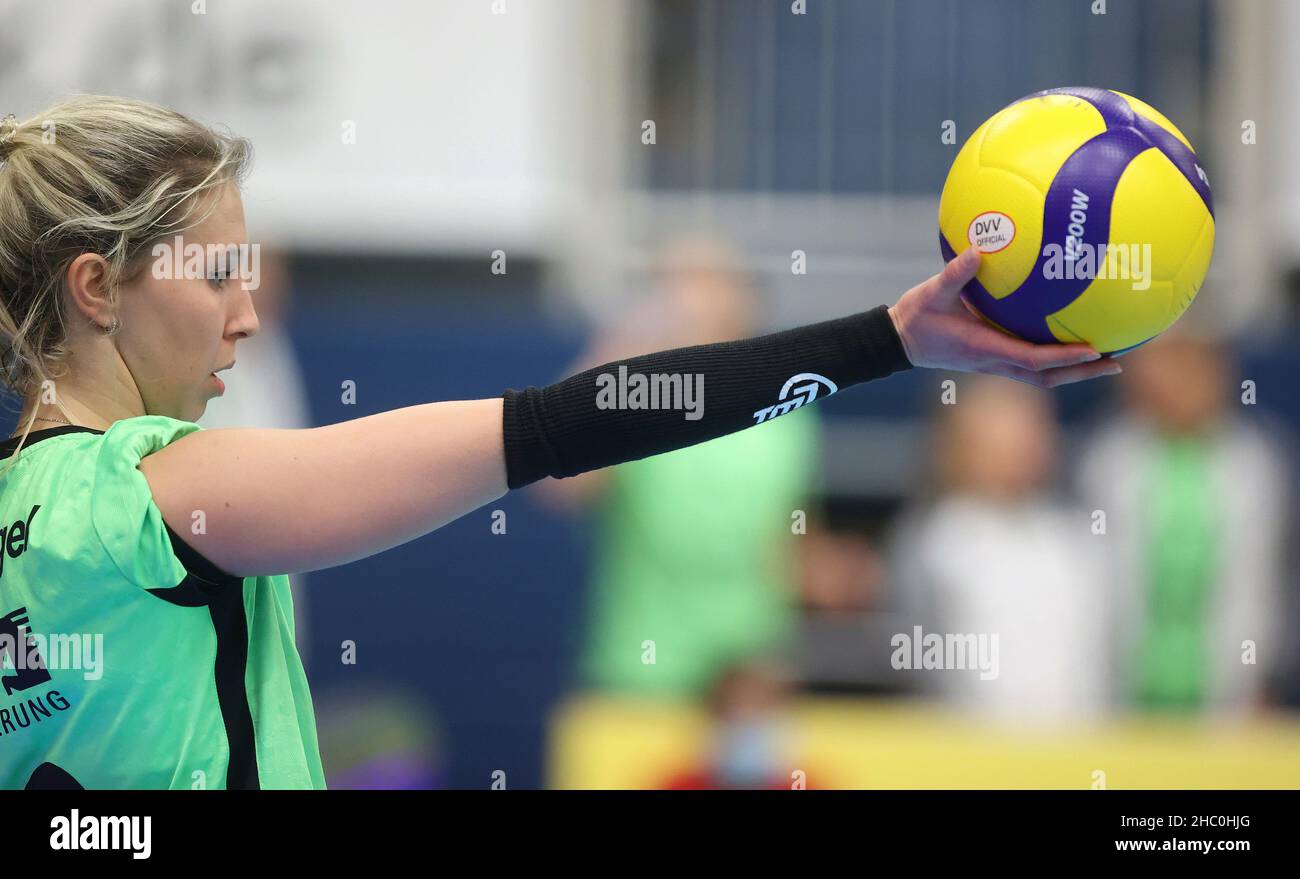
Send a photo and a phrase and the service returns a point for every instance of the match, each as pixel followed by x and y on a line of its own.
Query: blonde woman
pixel 122 519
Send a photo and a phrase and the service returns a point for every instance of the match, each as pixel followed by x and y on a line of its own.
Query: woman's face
pixel 177 330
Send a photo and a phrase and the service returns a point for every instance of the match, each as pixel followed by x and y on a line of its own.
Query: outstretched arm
pixel 282 501
pixel 285 501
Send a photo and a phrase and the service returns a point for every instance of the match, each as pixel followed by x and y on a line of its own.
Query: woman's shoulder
pixel 91 493
pixel 145 432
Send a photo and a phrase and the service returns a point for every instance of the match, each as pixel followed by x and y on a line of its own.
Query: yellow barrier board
pixel 604 743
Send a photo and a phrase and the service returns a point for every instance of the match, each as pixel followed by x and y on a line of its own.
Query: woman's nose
pixel 246 322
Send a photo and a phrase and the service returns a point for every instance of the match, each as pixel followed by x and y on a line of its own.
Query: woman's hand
pixel 939 331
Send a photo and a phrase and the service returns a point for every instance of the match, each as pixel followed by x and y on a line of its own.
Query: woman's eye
pixel 218 281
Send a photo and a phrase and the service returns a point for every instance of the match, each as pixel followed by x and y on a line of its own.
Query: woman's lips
pixel 221 386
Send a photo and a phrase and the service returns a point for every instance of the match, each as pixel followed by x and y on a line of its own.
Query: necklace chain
pixel 54 420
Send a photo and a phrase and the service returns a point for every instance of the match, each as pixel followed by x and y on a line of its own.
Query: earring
pixel 112 328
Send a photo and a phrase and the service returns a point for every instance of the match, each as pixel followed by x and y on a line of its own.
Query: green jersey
pixel 127 659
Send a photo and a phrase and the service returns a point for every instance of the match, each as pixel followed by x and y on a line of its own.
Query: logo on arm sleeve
pixel 793 395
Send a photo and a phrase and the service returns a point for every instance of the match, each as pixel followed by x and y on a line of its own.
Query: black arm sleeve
pixel 659 402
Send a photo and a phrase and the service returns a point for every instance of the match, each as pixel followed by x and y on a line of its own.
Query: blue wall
pixel 484 626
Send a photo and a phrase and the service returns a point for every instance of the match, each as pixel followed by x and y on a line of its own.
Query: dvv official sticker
pixel 991 231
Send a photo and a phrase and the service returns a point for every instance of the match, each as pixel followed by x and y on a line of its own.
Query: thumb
pixel 959 271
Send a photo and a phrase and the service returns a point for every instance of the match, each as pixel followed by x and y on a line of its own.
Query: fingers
pixel 959 271
pixel 1044 366
pixel 1027 355
pixel 1061 375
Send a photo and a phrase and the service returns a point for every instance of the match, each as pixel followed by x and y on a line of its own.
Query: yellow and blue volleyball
pixel 1092 213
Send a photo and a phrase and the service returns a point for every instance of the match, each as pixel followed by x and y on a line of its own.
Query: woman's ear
pixel 87 284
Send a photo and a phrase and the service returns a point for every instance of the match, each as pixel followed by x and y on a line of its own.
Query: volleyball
pixel 1092 213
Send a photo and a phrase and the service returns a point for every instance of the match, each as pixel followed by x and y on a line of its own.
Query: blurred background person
pixel 842 572
pixel 752 744
pixel 1196 498
pixel 999 554
pixel 693 550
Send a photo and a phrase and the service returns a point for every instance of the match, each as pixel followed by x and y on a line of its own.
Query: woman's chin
pixel 194 410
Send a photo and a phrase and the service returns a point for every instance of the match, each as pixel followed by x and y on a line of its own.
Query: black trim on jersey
pixel 204 585
pixel 48 776
pixel 199 565
pixel 231 625
pixel 223 594
pixel 7 446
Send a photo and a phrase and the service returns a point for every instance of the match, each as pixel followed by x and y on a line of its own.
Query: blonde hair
pixel 93 174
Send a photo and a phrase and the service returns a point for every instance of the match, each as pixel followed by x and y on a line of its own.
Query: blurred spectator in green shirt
pixel 693 563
